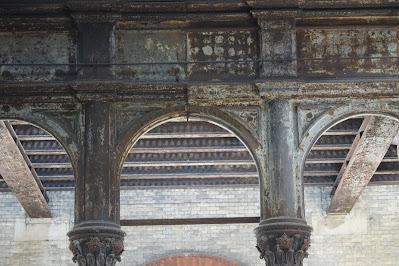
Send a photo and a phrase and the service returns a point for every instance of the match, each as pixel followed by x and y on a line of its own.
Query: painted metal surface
pixel 367 156
pixel 15 172
pixel 231 61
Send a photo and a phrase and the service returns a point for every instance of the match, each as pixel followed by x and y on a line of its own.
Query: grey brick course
pixel 369 235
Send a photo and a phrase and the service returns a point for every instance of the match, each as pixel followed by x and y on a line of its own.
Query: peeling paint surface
pixel 150 47
pixel 246 64
pixel 344 52
pixel 372 147
pixel 35 48
pixel 325 3
pixel 239 47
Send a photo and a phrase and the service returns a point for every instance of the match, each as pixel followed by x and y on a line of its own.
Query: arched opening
pixel 351 176
pixel 36 181
pixel 192 260
pixel 44 154
pixel 180 149
pixel 334 147
pixel 189 186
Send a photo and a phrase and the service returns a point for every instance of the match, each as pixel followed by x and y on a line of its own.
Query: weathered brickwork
pixel 371 228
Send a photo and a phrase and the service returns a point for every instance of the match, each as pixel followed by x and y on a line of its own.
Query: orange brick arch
pixel 192 260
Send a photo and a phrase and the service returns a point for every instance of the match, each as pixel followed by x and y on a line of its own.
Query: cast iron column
pixel 283 236
pixel 97 239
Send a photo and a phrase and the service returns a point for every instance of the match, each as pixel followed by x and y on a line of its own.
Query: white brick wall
pixel 368 236
pixel 235 242
pixel 196 202
pixel 34 242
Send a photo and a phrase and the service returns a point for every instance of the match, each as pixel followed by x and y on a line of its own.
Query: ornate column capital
pixel 96 243
pixel 283 241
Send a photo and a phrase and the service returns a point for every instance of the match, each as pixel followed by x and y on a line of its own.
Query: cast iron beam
pixel 365 159
pixel 19 177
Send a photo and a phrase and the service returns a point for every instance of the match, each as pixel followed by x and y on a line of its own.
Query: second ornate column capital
pixel 283 241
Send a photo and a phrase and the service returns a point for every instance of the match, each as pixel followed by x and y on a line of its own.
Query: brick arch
pixel 192 260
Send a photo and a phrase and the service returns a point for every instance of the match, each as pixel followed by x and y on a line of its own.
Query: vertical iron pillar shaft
pixel 283 236
pixel 97 239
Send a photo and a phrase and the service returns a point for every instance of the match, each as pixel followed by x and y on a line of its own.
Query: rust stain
pixel 239 46
pixel 348 52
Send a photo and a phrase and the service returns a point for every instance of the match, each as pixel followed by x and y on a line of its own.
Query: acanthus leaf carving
pixel 283 242
pixel 96 251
